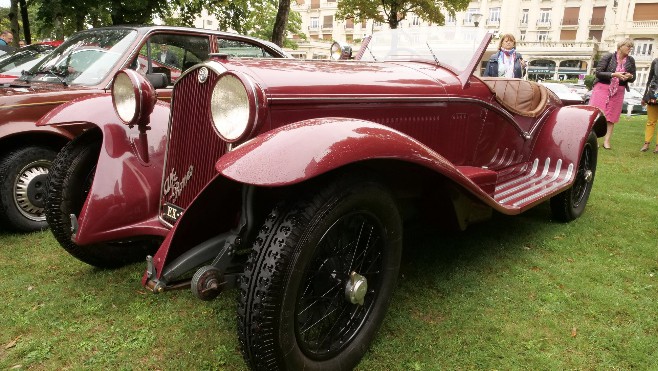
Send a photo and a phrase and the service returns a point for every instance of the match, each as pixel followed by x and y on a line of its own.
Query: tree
pixel 27 33
pixel 13 19
pixel 394 11
pixel 261 24
pixel 281 22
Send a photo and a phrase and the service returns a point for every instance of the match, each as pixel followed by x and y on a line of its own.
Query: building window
pixel 315 23
pixel 469 15
pixel 524 17
pixel 522 36
pixel 545 16
pixel 450 19
pixel 542 36
pixel 494 15
pixel 415 20
pixel 328 21
pixel 208 22
pixel 642 48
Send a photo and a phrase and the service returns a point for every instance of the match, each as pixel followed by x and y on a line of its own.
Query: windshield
pixel 23 58
pixel 451 46
pixel 84 59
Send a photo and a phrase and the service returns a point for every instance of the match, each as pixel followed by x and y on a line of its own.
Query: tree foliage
pixel 56 19
pixel 394 11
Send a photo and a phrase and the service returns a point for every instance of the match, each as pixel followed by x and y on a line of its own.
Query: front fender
pixel 307 149
pixel 90 110
pixel 123 200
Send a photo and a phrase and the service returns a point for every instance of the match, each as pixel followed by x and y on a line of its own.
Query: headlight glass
pixel 125 101
pixel 230 108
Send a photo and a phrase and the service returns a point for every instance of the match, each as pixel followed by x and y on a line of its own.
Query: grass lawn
pixel 512 293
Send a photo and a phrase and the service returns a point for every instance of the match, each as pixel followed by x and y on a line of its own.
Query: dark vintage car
pixel 85 64
pixel 12 64
pixel 291 179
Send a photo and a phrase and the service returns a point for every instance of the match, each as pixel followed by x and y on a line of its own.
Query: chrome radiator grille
pixel 194 146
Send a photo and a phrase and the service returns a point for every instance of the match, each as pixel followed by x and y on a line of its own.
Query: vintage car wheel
pixel 570 204
pixel 23 178
pixel 70 179
pixel 319 279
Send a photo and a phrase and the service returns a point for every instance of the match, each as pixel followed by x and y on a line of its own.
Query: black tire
pixel 306 244
pixel 70 180
pixel 23 178
pixel 570 204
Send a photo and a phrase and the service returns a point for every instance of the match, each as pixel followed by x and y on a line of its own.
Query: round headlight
pixel 133 97
pixel 340 51
pixel 229 107
pixel 124 97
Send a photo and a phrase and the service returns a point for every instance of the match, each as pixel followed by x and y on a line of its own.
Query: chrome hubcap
pixel 588 176
pixel 356 288
pixel 30 190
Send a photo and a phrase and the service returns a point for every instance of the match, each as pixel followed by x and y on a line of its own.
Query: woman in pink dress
pixel 613 74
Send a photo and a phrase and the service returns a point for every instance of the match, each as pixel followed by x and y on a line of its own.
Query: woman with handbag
pixel 650 99
pixel 613 74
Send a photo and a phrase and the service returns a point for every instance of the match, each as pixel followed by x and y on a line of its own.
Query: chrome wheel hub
pixel 356 288
pixel 588 176
pixel 30 190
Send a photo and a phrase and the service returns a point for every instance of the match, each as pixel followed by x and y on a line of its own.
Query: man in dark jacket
pixel 6 38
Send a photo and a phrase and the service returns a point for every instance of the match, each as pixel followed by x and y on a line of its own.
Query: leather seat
pixel 525 98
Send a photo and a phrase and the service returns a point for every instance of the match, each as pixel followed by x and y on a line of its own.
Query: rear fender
pixel 565 132
pixel 123 201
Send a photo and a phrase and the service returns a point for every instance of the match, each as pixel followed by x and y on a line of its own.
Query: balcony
pixel 543 24
pixel 493 23
pixel 523 24
pixel 648 28
pixel 569 23
pixel 596 23
pixel 313 30
pixel 327 27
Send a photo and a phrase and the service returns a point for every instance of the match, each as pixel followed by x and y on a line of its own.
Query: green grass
pixel 513 293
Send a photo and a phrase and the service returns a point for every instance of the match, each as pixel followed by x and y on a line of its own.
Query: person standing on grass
pixel 652 107
pixel 613 74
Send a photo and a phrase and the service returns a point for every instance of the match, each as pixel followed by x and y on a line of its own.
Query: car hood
pixel 302 79
pixel 20 93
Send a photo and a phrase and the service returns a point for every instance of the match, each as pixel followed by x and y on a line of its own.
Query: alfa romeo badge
pixel 203 75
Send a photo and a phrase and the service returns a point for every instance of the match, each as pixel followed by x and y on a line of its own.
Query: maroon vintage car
pixel 85 64
pixel 290 179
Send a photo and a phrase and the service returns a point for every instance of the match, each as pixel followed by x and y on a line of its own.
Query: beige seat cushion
pixel 525 98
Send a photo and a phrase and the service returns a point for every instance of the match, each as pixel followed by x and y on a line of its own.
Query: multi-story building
pixel 558 38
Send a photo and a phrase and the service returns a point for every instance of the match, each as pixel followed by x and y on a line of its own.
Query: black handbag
pixel 651 95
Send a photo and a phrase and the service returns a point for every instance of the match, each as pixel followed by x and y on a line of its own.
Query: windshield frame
pixel 452 47
pixel 54 68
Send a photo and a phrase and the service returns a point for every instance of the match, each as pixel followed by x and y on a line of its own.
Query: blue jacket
pixel 492 66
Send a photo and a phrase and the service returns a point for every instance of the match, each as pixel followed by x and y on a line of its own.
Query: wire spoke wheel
pixel 326 319
pixel 320 277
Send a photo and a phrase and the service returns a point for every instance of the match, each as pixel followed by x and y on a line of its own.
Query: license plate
pixel 170 213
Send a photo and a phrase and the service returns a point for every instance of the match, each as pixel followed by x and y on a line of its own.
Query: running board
pixel 534 183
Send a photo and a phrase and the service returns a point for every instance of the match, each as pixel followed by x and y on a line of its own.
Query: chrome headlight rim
pixel 340 51
pixel 232 122
pixel 133 97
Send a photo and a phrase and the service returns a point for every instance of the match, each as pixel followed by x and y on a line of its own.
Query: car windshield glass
pixel 84 59
pixel 452 46
pixel 23 58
